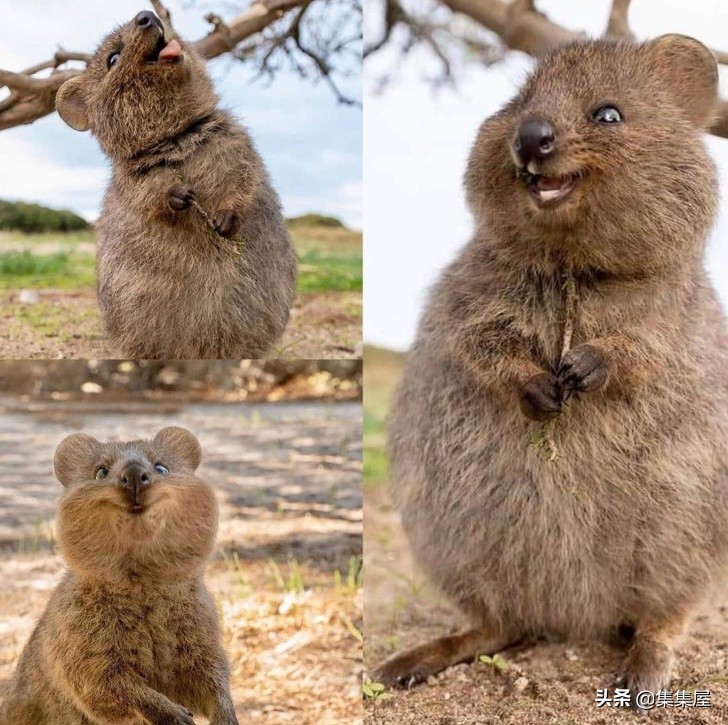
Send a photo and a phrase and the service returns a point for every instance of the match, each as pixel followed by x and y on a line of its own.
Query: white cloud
pixel 31 177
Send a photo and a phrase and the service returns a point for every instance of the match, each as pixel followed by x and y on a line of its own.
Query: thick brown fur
pixel 130 635
pixel 168 286
pixel 629 525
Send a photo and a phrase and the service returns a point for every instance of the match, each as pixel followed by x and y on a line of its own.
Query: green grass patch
pixel 330 259
pixel 382 369
pixel 376 465
pixel 23 264
pixel 373 422
pixel 329 272
pixel 60 270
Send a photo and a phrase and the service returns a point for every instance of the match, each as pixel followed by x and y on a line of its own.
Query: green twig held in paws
pixel 543 439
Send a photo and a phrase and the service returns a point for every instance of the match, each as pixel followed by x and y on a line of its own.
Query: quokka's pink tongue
pixel 171 51
pixel 549 183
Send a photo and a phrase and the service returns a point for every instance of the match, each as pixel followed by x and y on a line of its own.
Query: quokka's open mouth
pixel 548 191
pixel 166 52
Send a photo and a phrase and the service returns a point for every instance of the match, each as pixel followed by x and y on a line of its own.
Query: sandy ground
pixel 289 483
pixel 543 683
pixel 65 324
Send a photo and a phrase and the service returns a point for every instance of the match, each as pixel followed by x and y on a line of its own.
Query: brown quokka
pixel 595 179
pixel 169 286
pixel 130 635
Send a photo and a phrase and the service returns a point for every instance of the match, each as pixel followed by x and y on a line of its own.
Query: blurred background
pixel 282 448
pixel 295 83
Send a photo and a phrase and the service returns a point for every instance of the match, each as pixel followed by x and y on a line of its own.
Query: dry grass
pixel 68 325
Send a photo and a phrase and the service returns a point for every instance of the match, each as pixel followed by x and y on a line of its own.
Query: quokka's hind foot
pixel 415 665
pixel 647 667
pixel 649 661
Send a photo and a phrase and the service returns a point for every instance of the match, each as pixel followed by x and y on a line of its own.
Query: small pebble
pixel 89 387
pixel 28 297
pixel 520 685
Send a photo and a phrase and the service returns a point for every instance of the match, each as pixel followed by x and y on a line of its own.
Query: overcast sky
pixel 312 146
pixel 416 144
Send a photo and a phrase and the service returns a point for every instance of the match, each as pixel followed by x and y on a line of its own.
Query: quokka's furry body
pixel 168 286
pixel 130 635
pixel 630 524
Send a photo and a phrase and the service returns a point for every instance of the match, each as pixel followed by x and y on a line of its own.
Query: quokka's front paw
pixel 542 397
pixel 180 196
pixel 583 369
pixel 180 716
pixel 227 223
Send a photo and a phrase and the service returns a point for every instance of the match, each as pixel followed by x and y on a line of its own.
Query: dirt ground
pixel 286 573
pixel 67 324
pixel 541 684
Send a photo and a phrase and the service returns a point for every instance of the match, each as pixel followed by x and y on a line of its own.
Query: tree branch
pixel 618 25
pixel 259 16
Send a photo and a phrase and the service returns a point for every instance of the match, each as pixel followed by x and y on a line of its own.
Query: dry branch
pixel 618 24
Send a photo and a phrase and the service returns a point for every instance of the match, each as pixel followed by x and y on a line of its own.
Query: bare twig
pixel 618 25
pixel 161 10
pixel 23 82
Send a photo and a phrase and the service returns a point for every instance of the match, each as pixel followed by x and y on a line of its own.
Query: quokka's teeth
pixel 547 195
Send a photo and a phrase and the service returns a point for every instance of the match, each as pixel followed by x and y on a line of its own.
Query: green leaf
pixel 373 690
pixel 496 662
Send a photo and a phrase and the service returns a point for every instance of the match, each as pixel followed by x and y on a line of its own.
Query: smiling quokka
pixel 593 179
pixel 169 285
pixel 130 635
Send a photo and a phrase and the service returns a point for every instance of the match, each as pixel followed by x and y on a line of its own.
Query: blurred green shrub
pixel 24 217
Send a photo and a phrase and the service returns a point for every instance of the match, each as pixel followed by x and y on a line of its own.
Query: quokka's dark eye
pixel 160 468
pixel 607 114
pixel 113 59
pixel 101 473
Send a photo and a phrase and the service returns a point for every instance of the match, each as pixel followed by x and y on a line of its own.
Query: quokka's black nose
pixel 134 478
pixel 147 19
pixel 536 139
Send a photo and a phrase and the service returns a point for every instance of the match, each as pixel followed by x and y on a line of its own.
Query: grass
pixel 330 260
pixel 293 582
pixel 59 270
pixel 382 369
pixel 46 318
pixel 322 272
pixel 353 579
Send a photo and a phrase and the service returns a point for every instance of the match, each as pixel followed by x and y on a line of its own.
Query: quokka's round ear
pixel 71 103
pixel 691 72
pixel 180 442
pixel 75 457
